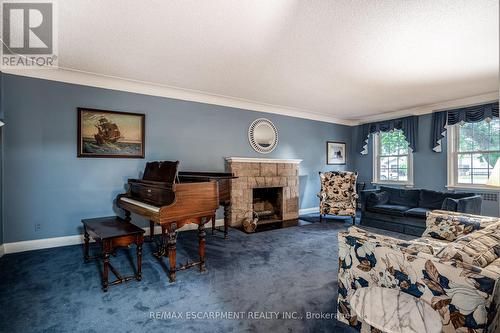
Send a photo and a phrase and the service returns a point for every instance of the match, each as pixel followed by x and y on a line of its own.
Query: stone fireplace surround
pixel 259 173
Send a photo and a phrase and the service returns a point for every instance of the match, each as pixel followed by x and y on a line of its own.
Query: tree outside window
pixel 478 149
pixel 392 157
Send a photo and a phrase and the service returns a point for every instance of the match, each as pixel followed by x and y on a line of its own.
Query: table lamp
pixel 494 179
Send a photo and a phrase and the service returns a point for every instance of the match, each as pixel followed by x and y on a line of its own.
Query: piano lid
pixel 206 175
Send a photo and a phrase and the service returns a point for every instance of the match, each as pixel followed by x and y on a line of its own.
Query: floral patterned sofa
pixel 454 267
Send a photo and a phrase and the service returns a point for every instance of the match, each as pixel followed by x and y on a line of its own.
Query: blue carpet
pixel 286 270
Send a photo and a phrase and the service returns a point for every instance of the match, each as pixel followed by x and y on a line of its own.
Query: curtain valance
pixel 408 125
pixel 471 114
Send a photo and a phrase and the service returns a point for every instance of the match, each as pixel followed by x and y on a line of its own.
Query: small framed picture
pixel 103 133
pixel 335 153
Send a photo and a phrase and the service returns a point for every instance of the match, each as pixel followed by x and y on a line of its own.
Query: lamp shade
pixel 1 123
pixel 494 179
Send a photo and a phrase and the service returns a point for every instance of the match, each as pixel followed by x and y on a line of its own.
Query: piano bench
pixel 111 233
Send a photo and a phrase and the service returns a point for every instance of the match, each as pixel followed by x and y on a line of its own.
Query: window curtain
pixel 408 125
pixel 471 114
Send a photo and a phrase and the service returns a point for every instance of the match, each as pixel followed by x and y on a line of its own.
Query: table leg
pixel 201 243
pixel 140 240
pixel 86 250
pixel 172 240
pixel 105 270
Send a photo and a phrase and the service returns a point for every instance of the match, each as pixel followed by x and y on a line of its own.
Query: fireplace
pixel 269 187
pixel 267 204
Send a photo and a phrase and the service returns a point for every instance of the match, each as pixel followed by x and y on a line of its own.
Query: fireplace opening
pixel 267 204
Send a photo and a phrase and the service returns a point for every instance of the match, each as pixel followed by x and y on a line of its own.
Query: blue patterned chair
pixel 338 194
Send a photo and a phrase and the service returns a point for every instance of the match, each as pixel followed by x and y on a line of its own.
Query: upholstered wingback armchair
pixel 338 194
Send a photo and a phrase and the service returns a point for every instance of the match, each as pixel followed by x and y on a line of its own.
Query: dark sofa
pixel 405 210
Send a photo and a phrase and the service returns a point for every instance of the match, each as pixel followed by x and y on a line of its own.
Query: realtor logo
pixel 28 37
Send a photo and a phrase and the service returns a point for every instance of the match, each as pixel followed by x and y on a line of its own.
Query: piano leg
pixel 127 216
pixel 213 227
pixel 201 242
pixel 226 218
pixel 171 245
pixel 227 207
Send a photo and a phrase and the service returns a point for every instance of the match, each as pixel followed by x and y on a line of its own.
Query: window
pixel 392 158
pixel 475 148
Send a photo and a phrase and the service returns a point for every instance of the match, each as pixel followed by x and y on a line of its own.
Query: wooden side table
pixel 113 232
pixel 393 311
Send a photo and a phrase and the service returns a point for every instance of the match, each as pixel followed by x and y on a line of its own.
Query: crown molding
pixel 68 75
pixel 73 76
pixel 429 108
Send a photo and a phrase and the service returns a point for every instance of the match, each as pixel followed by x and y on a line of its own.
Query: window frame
pixel 376 165
pixel 452 162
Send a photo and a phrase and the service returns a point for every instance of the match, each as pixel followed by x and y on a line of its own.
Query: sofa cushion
pixel 427 245
pixel 450 204
pixel 395 210
pixel 484 221
pixel 442 225
pixel 479 248
pixel 417 212
pixel 431 199
pixel 377 198
pixel 402 197
pixel 414 246
pixel 459 195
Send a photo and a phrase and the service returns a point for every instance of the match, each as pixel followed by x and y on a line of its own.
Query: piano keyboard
pixel 141 204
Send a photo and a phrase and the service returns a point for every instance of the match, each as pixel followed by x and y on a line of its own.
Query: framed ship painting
pixel 110 134
pixel 335 153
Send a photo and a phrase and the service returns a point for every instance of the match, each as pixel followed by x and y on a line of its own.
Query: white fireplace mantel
pixel 262 160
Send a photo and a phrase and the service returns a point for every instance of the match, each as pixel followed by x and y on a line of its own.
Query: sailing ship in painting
pixel 107 133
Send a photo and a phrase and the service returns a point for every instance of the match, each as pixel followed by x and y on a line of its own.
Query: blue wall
pixel 430 168
pixel 48 185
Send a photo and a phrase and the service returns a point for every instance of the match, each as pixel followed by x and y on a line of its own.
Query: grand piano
pixel 163 198
pixel 224 181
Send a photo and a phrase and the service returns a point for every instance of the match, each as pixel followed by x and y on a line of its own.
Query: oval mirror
pixel 263 135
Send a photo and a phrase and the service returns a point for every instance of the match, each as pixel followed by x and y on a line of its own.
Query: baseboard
pixel 38 244
pixel 309 210
pixel 44 243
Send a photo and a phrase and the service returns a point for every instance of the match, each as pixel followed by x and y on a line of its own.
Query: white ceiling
pixel 343 59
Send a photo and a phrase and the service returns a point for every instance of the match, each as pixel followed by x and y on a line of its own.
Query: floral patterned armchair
pixel 466 296
pixel 338 194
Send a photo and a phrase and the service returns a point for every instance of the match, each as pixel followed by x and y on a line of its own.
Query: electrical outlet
pixel 38 226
